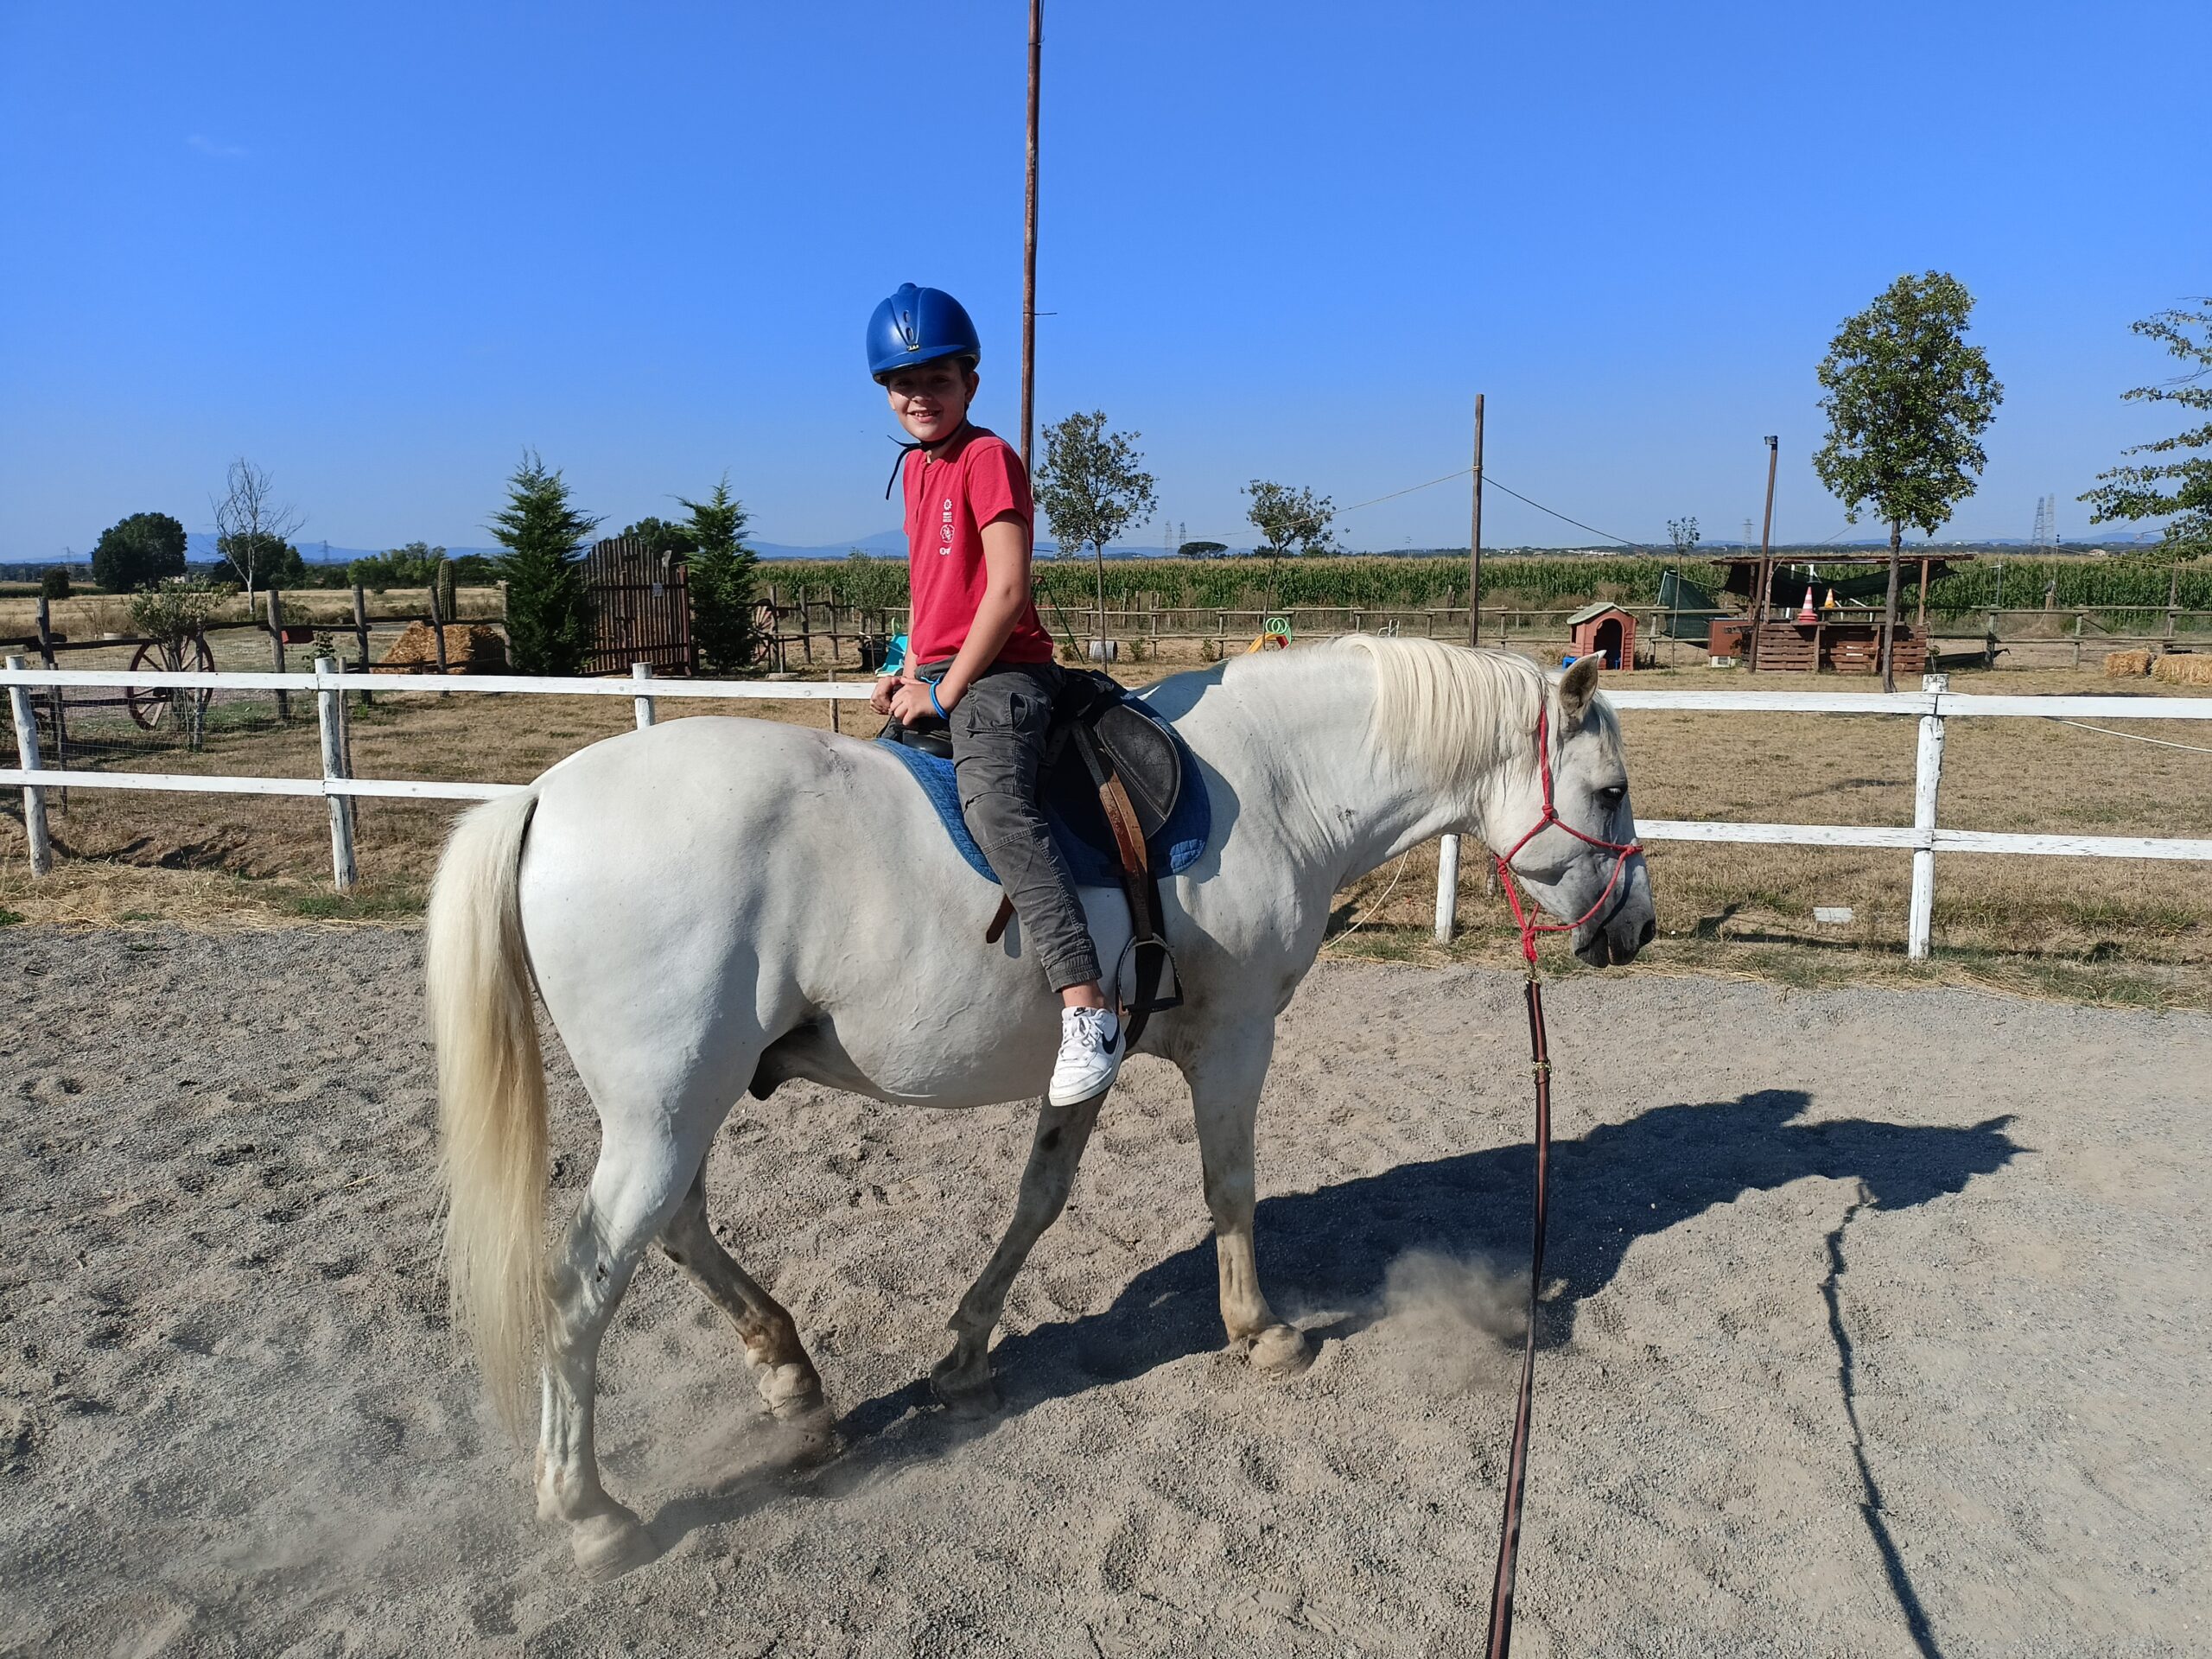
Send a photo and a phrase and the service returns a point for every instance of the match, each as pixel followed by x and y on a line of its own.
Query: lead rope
pixel 1539 1062
pixel 1516 1463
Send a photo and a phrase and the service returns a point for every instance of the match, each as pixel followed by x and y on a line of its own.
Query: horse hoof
pixel 792 1391
pixel 965 1391
pixel 611 1543
pixel 1281 1350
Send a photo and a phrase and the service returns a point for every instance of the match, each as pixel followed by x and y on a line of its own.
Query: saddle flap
pixel 1145 757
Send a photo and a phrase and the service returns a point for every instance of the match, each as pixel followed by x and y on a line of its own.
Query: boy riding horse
pixel 979 659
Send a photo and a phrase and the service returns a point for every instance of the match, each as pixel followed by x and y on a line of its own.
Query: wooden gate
pixel 640 610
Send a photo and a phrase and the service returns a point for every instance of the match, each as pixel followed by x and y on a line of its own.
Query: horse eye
pixel 1611 798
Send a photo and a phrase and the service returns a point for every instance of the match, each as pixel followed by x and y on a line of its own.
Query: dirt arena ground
pixel 1879 1326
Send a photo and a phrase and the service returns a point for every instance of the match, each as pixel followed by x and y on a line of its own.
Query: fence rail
pixel 1933 705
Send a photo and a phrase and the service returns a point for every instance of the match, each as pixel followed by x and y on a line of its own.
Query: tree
pixel 543 567
pixel 1202 550
pixel 2140 492
pixel 1091 485
pixel 661 538
pixel 1907 401
pixel 1293 521
pixel 415 565
pixel 253 529
pixel 1683 533
pixel 263 561
pixel 145 547
pixel 54 583
pixel 720 581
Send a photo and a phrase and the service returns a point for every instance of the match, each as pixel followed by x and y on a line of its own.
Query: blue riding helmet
pixel 918 325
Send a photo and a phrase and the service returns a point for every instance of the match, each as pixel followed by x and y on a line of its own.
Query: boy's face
pixel 932 400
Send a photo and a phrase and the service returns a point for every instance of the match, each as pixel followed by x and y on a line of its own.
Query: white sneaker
pixel 1090 1055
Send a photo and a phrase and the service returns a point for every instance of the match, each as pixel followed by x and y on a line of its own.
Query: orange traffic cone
pixel 1831 604
pixel 1805 611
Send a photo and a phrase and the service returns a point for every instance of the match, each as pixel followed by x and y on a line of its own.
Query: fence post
pixel 274 602
pixel 642 673
pixel 330 722
pixel 1928 773
pixel 19 699
pixel 438 632
pixel 1448 886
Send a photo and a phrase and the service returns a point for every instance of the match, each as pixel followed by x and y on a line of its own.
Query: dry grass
pixel 2127 665
pixel 2137 931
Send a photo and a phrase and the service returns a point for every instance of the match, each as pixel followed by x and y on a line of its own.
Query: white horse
pixel 714 904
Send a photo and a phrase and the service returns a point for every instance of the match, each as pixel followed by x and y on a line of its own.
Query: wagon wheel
pixel 151 705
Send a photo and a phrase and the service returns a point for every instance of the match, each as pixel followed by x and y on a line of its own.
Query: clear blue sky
pixel 380 249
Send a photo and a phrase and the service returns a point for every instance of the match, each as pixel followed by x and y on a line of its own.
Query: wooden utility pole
pixel 1766 555
pixel 1475 540
pixel 1029 243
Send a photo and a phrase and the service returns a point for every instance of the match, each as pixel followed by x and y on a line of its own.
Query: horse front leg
pixel 1225 1079
pixel 962 1378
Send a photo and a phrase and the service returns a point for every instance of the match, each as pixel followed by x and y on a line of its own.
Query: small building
pixel 1605 631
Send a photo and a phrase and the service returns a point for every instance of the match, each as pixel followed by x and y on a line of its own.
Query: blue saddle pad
pixel 1176 844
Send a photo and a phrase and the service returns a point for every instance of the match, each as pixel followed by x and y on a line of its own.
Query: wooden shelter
pixel 1605 631
pixel 640 609
pixel 1844 637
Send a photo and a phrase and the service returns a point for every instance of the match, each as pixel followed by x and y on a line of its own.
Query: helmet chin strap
pixel 929 450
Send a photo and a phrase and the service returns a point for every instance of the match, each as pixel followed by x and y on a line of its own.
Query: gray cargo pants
pixel 999 728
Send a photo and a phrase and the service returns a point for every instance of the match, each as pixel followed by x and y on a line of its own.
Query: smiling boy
pixel 979 658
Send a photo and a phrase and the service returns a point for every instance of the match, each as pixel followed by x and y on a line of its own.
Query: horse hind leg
pixel 782 1370
pixel 633 1193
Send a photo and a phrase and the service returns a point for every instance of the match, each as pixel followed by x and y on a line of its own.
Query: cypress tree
pixel 721 582
pixel 547 627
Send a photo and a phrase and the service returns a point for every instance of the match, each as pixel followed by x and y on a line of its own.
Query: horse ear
pixel 1577 687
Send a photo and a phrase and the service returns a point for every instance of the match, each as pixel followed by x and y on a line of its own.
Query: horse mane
pixel 1449 713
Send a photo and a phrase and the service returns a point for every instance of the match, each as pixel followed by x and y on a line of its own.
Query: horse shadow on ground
pixel 1333 1249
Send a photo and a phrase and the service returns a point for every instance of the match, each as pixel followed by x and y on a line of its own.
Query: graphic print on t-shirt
pixel 945 529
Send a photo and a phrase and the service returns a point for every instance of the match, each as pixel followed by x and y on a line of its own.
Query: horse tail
pixel 490 1098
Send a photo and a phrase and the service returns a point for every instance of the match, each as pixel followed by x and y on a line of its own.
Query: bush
pixel 54 583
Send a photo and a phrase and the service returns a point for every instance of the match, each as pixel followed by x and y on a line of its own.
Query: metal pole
pixel 1766 555
pixel 1029 241
pixel 1928 773
pixel 1474 560
pixel 1448 886
pixel 19 701
pixel 330 722
pixel 642 673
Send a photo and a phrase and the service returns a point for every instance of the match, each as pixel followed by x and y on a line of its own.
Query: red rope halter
pixel 1621 851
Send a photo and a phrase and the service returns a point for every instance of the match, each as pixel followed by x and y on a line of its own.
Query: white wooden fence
pixel 1933 706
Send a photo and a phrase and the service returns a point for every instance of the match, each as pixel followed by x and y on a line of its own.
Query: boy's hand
pixel 910 702
pixel 879 699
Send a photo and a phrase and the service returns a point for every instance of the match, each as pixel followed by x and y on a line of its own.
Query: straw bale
pixel 2124 664
pixel 2183 668
pixel 471 648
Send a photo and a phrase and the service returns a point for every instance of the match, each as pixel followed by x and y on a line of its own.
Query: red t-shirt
pixel 948 504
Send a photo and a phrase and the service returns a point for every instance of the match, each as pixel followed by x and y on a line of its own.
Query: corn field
pixel 1372 582
pixel 1247 583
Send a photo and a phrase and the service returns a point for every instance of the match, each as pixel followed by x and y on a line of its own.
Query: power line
pixel 1489 479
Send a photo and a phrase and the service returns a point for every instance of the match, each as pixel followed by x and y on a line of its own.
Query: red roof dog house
pixel 1605 631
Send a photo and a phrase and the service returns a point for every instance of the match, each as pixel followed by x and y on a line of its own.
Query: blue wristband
pixel 934 704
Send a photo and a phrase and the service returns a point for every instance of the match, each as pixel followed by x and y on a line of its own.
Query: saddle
pixel 1114 775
